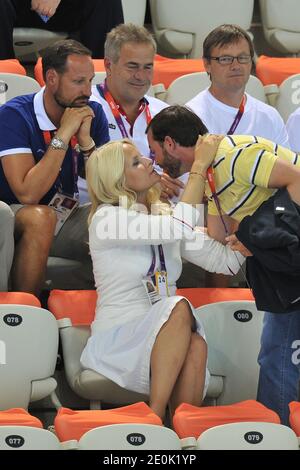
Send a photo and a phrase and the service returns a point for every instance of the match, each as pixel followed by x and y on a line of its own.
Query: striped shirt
pixel 242 170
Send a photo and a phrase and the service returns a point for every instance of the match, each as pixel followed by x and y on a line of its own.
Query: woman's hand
pixel 205 151
pixel 170 187
pixel 236 245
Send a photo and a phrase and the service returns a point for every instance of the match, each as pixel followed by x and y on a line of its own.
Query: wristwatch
pixel 58 144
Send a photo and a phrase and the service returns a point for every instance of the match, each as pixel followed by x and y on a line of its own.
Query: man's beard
pixel 71 104
pixel 171 165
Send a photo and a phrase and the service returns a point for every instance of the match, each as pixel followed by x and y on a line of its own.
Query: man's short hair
pixel 179 123
pixel 122 34
pixel 55 56
pixel 223 35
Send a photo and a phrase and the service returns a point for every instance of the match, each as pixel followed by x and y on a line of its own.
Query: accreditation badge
pixel 151 290
pixel 161 280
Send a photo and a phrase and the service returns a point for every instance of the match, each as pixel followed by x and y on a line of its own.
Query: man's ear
pixel 51 77
pixel 206 63
pixel 170 145
pixel 107 65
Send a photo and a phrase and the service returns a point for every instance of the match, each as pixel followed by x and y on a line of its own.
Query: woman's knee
pixel 182 311
pixel 197 352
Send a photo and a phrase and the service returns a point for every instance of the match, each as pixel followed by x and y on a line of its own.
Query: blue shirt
pixel 22 122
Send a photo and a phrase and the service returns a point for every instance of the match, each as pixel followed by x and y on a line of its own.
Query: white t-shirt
pixel 293 130
pixel 259 118
pixel 137 132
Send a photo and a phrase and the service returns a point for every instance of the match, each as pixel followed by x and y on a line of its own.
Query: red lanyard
pixel 74 145
pixel 115 109
pixel 211 182
pixel 238 116
pixel 210 176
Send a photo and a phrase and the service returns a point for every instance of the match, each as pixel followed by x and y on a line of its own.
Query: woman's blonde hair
pixel 105 176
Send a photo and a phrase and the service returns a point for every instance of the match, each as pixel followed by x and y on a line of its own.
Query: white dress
pixel 126 325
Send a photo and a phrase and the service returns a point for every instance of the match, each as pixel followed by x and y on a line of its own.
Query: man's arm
pixel 29 180
pixel 286 175
pixel 215 227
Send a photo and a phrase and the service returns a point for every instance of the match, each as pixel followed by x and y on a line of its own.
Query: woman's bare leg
pixel 168 355
pixel 191 380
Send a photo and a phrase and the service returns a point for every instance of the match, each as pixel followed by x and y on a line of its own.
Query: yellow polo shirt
pixel 242 169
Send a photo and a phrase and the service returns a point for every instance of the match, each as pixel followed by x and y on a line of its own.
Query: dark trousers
pixel 92 19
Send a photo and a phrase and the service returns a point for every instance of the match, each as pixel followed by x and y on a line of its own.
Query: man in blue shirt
pixel 44 140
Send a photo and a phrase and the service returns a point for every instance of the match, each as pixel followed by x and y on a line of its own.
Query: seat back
pixel 130 437
pixel 32 40
pixel 288 99
pixel 207 295
pixel 248 436
pixel 134 11
pixel 233 331
pixel 281 26
pixel 187 86
pixel 77 305
pixel 27 438
pixel 99 77
pixel 12 84
pixel 28 353
pixel 181 27
pixel 23 298
pixel 294 407
pixel 12 66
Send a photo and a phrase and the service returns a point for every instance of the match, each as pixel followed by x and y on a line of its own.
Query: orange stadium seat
pixel 12 66
pixel 38 71
pixel 192 421
pixel 22 298
pixel 78 305
pixel 71 424
pixel 294 407
pixel 21 431
pixel 274 70
pixel 167 70
pixel 207 295
pixel 19 417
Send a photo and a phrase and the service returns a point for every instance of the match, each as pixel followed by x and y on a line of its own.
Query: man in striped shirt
pixel 247 170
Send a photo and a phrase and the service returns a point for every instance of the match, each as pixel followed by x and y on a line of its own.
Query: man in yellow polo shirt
pixel 247 171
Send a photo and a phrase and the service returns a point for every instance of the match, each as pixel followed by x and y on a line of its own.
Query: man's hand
pixel 71 122
pixel 45 7
pixel 84 132
pixel 170 187
pixel 236 245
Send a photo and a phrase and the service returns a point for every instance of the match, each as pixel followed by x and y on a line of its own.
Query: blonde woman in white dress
pixel 145 341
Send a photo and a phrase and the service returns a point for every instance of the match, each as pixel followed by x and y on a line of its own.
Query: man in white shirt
pixel 228 59
pixel 129 57
pixel 224 107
